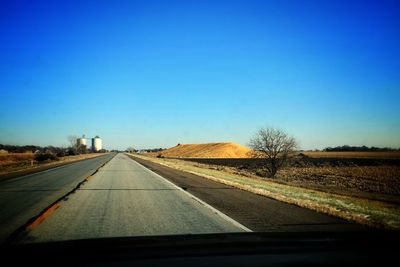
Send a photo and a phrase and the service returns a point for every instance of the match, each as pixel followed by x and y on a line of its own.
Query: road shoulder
pixel 256 212
pixel 44 167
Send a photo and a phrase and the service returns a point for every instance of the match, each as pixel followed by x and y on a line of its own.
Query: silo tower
pixel 81 141
pixel 97 144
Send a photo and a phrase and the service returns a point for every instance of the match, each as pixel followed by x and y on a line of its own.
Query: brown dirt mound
pixel 209 150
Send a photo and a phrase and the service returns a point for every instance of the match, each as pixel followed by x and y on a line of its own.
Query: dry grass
pixel 375 155
pixel 9 158
pixel 366 211
pixel 13 162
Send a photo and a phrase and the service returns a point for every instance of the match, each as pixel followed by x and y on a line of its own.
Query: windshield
pixel 165 118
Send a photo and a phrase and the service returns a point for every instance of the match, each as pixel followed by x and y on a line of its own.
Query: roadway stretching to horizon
pixel 126 199
pixel 115 196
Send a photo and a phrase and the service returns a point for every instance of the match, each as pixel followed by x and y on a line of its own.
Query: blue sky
pixel 158 73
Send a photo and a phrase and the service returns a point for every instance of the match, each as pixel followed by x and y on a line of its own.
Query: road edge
pixel 34 221
pixel 216 211
pixel 26 172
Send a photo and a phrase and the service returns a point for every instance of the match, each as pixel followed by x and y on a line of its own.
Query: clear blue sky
pixel 158 73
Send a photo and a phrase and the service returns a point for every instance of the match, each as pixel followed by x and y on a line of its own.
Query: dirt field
pixel 374 178
pixel 373 155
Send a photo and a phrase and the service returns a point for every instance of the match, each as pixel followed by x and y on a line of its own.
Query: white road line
pixel 220 213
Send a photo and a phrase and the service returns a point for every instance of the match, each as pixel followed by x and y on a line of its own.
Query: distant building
pixel 81 141
pixel 97 144
pixel 3 151
pixel 83 147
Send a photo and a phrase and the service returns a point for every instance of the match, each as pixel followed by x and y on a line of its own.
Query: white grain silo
pixel 81 141
pixel 97 144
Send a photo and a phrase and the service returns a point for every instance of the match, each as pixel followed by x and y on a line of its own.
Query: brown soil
pixel 351 154
pixel 368 178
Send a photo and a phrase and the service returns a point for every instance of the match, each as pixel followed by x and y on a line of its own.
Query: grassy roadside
pixel 25 168
pixel 369 212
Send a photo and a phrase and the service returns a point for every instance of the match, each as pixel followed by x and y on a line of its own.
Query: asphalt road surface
pixel 126 199
pixel 25 197
pixel 259 213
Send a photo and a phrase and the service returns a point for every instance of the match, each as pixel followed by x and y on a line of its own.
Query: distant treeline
pixel 30 148
pixel 151 150
pixel 359 148
pixel 21 149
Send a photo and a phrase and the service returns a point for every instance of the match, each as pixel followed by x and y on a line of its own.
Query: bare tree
pixel 273 145
pixel 131 150
pixel 73 143
pixel 82 149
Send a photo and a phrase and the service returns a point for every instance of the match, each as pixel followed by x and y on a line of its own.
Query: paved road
pixel 126 199
pixel 256 212
pixel 25 197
